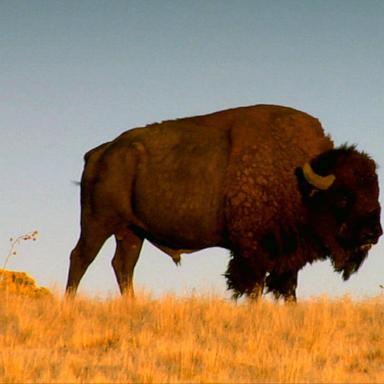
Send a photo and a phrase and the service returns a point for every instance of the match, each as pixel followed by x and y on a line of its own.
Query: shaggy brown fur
pixel 341 223
pixel 229 179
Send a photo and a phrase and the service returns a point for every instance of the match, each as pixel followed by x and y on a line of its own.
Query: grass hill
pixel 44 338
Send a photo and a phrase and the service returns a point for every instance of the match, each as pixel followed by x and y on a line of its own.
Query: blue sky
pixel 75 74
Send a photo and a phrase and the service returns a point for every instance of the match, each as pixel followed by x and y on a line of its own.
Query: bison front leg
pixel 257 290
pixel 283 285
pixel 128 249
pixel 244 278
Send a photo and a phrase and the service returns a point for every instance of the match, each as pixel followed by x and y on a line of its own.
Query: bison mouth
pixel 365 247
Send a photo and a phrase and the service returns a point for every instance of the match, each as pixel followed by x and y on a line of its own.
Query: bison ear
pixel 310 182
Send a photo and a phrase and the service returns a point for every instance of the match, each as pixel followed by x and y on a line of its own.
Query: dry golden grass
pixel 13 282
pixel 195 339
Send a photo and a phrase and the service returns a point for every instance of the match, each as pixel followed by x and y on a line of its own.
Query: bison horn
pixel 317 181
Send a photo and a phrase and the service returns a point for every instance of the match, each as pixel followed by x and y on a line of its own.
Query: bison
pixel 263 181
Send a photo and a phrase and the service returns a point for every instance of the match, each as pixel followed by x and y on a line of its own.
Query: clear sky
pixel 74 74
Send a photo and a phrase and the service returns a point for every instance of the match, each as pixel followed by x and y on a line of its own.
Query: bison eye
pixel 342 202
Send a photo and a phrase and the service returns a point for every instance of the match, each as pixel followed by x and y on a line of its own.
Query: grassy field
pixel 196 339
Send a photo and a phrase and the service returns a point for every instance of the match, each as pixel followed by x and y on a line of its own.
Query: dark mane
pixel 324 163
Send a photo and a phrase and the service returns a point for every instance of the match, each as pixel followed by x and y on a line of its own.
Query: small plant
pixel 19 282
pixel 15 242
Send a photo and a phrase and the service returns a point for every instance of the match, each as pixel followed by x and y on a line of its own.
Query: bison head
pixel 340 191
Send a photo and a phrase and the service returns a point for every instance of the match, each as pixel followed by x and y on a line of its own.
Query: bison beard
pixel 263 182
pixel 352 264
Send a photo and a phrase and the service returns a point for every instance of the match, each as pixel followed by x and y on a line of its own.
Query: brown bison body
pixel 261 181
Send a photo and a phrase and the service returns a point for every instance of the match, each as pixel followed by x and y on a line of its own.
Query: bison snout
pixel 371 236
pixel 377 234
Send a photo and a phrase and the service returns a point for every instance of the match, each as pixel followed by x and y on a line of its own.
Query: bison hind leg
pixel 91 239
pixel 242 278
pixel 127 252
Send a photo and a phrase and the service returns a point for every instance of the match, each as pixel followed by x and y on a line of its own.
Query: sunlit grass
pixel 13 282
pixel 193 339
